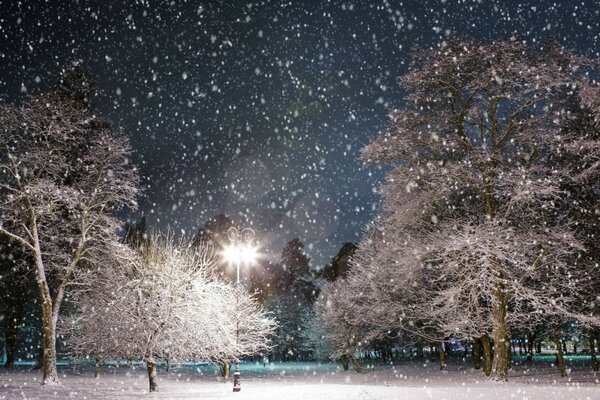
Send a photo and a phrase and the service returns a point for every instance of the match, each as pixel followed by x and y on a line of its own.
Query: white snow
pixel 410 380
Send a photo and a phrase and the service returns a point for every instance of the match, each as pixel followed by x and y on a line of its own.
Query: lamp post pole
pixel 235 236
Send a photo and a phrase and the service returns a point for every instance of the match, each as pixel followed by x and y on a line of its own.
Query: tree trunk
pixel 49 372
pixel 560 359
pixel 441 355
pixel 487 355
pixel 152 375
pixel 344 361
pixel 97 368
pixel 10 341
pixel 419 350
pixel 500 331
pixel 530 343
pixel 168 365
pixel 468 349
pixel 593 351
pixel 448 348
pixel 225 371
pixel 509 353
pixel 476 353
pixel 356 364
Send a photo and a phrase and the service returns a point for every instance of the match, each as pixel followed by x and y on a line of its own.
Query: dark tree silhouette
pixel 340 264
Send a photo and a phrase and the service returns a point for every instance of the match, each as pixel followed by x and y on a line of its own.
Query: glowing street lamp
pixel 240 250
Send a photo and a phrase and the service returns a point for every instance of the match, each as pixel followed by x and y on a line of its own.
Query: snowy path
pixel 409 380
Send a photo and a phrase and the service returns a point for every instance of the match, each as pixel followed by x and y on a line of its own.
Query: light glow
pixel 240 253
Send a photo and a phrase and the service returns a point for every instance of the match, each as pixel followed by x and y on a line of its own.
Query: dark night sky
pixel 258 109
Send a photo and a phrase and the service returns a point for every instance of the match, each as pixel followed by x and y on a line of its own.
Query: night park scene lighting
pixel 334 199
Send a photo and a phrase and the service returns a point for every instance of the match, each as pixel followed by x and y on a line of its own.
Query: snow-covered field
pixel 410 380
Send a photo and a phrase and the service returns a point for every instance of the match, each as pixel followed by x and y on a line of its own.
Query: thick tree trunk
pixel 49 317
pixel 487 355
pixel 560 359
pixel 593 351
pixel 49 372
pixel 500 332
pixel 441 355
pixel 476 353
pixel 152 374
pixel 501 351
pixel 97 368
pixel 225 371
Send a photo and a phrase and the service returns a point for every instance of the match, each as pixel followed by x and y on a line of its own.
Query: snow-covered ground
pixel 412 380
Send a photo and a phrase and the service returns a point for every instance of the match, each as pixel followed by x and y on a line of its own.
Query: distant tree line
pixel 287 287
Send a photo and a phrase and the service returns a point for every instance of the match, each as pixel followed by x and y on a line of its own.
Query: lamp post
pixel 240 249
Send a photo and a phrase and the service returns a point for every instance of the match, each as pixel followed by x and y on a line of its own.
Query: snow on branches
pixel 163 301
pixel 64 171
pixel 477 232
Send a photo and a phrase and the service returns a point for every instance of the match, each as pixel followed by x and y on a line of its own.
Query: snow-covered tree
pixel 164 301
pixel 475 231
pixel 582 153
pixel 64 172
pixel 332 329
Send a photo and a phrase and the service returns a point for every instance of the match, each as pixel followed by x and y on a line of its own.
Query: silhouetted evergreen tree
pixel 339 265
pixel 293 298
